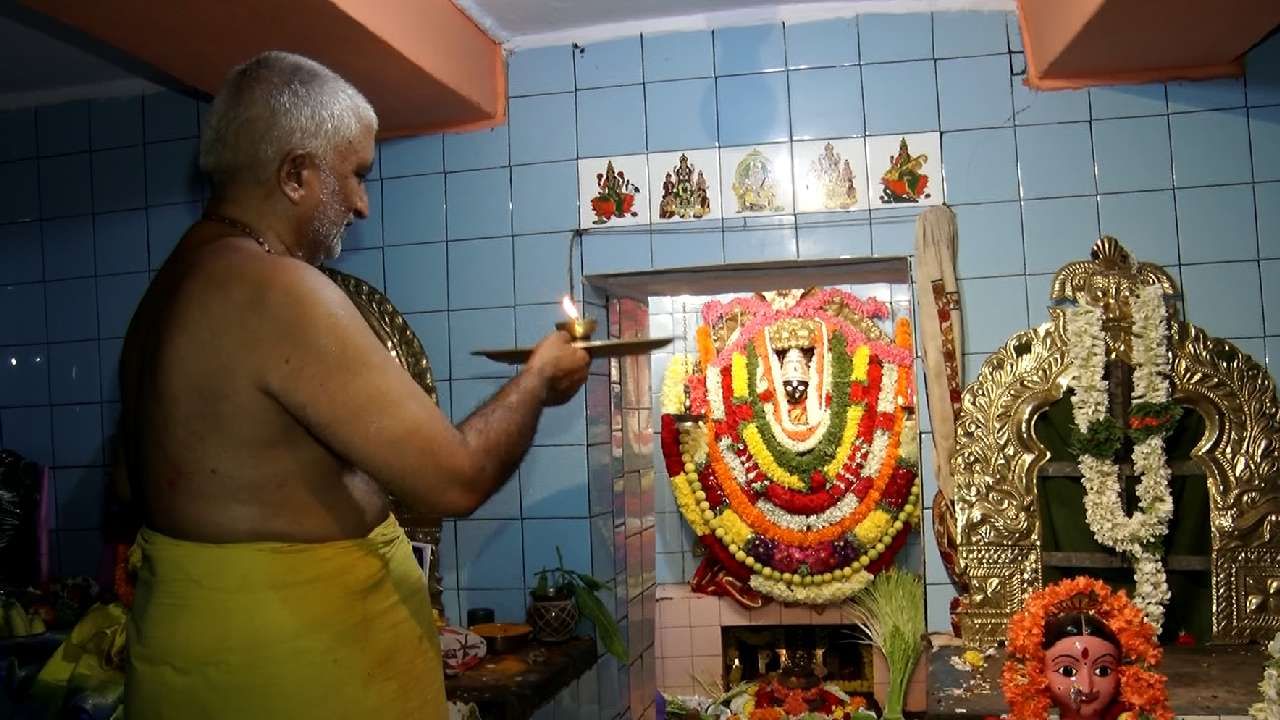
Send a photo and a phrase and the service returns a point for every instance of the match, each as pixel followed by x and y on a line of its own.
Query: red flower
pixel 817 481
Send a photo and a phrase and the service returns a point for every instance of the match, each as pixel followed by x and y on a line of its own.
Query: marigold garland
pixel 1142 690
pixel 807 509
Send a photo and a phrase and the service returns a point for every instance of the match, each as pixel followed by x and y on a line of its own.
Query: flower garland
pixel 1142 690
pixel 1140 535
pixel 802 513
pixel 1269 707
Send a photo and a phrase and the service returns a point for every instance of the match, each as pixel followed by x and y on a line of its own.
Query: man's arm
pixel 327 369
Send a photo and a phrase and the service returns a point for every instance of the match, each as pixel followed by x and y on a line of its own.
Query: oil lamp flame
pixel 569 308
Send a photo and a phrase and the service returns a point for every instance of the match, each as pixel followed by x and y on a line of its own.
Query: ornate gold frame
pixel 395 334
pixel 994 522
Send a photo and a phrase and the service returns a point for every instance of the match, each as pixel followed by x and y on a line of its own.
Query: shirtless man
pixel 263 426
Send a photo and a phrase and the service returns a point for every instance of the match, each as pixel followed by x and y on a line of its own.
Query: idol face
pixel 1083 676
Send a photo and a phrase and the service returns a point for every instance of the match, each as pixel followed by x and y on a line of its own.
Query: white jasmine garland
pixel 1133 535
pixel 809 523
pixel 715 393
pixel 1269 707
pixel 823 594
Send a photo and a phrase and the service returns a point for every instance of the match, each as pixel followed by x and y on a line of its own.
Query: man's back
pixel 212 455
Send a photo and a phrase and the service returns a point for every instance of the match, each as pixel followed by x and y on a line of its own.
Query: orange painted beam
pixel 1081 43
pixel 423 64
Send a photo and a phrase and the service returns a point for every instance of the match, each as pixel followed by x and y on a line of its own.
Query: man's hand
pixel 562 366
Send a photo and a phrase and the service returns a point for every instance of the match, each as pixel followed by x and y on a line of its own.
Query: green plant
pixel 891 612
pixel 563 583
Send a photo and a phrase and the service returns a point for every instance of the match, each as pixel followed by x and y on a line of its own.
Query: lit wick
pixel 578 327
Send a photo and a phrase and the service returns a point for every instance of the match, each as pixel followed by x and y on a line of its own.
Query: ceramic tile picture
pixel 756 180
pixel 684 186
pixel 905 169
pixel 613 191
pixel 830 175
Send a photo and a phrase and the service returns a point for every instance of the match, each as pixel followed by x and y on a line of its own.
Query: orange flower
pixel 767 714
pixel 706 349
pixel 902 333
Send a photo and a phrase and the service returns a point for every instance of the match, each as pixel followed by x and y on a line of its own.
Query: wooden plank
pixel 1184 563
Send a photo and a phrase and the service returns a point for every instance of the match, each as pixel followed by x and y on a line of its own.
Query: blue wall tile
pixel 544 197
pixel 980 165
pixel 989 316
pixel 1058 231
pixel 448 553
pixel 24 374
pixel 478 203
pixel 64 128
pixel 1267 201
pixel 534 322
pixel 1224 298
pixel 756 48
pixel 22 314
pixel 119 179
pixel 1032 107
pixel 118 298
pixel 169 116
pixel 471 330
pixel 417 277
pixel 109 365
pixel 17 134
pixel 760 245
pixel 893 231
pixel 1055 160
pixel 477 150
pixel 171 172
pixel 541 537
pixel 826 103
pixel 489 554
pixel 432 330
pixel 1193 95
pixel 899 97
pixel 480 274
pixel 1216 224
pixel 366 232
pixel 1262 73
pixel 701 248
pixel 21 253
pixel 678 56
pixel 992 243
pixel 365 264
pixel 604 253
pixel 1270 270
pixel 1210 148
pixel 68 247
pixel 66 186
pixel 1144 222
pixel 1127 101
pixel 540 70
pixel 1132 154
pixel 822 43
pixel 815 241
pixel 753 109
pixel 542 128
pixel 563 424
pixel 975 92
pixel 681 115
pixel 610 121
pixel 74 374
pixel 605 64
pixel 77 435
pixel 166 225
pixel 1264 129
pixel 553 482
pixel 21 199
pixel 115 122
pixel 413 209
pixel 29 432
pixel 541 263
pixel 886 38
pixel 71 310
pixel 411 156
pixel 961 34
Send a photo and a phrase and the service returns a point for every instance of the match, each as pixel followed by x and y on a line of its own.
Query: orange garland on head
pixel 1026 690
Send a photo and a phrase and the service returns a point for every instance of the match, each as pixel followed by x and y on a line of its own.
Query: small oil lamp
pixel 578 327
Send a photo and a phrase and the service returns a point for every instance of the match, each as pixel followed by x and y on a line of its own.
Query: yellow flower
pixel 673 397
pixel 736 531
pixel 764 459
pixel 973 659
pixel 739 375
pixel 846 440
pixel 688 504
pixel 872 529
pixel 861 358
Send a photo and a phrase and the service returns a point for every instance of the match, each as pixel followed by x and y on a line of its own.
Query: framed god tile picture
pixel 684 186
pixel 905 169
pixel 756 180
pixel 830 175
pixel 613 191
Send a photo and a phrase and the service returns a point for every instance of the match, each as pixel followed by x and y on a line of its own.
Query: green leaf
pixel 592 584
pixel 606 627
pixel 541 588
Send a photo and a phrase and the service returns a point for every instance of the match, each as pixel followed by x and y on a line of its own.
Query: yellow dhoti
pixel 283 630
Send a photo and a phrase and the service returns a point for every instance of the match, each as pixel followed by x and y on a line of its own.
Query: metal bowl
pixel 502 638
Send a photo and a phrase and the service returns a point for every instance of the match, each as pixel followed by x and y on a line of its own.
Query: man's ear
pixel 292 175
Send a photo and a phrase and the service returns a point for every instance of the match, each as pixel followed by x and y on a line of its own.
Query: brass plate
pixel 594 348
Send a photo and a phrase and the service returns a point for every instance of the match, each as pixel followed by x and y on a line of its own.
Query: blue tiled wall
pixel 469 232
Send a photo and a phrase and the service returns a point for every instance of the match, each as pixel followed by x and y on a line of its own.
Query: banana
pixel 18 625
pixel 36 624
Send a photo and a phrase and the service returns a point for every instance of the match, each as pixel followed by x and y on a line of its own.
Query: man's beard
pixel 330 221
